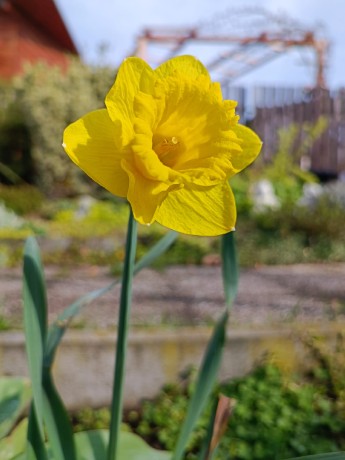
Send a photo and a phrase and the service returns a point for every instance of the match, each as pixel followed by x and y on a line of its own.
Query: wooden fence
pixel 268 110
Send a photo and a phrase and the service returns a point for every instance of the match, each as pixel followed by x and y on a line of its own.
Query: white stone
pixel 263 196
pixel 85 203
pixel 311 195
pixel 8 218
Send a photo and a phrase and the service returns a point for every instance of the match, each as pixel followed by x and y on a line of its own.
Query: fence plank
pixel 278 108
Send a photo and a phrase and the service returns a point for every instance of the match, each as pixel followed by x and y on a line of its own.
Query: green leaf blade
pixel 204 385
pixel 58 328
pixel 35 447
pixel 35 320
pixel 57 422
pixel 156 251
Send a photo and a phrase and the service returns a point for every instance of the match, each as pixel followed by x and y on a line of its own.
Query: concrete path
pixel 191 295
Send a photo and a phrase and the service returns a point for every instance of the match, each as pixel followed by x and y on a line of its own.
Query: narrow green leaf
pixel 229 267
pixel 92 445
pixel 209 433
pixel 58 426
pixel 156 251
pixel 204 385
pixel 47 405
pixel 58 328
pixel 15 396
pixel 35 320
pixel 327 456
pixel 35 448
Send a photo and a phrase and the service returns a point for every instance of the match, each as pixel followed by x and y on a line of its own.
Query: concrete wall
pixel 83 368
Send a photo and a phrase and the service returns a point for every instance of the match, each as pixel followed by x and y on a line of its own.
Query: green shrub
pixel 273 418
pixel 185 250
pixel 324 219
pixel 240 185
pixel 292 234
pixel 89 419
pixel 284 170
pixel 22 199
pixel 45 100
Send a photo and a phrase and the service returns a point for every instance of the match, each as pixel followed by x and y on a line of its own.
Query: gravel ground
pixel 191 295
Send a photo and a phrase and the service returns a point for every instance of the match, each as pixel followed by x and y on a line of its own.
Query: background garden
pixel 286 215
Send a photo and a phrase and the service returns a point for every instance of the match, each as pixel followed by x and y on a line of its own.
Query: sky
pixel 115 26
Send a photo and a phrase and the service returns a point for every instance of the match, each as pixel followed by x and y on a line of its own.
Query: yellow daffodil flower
pixel 168 142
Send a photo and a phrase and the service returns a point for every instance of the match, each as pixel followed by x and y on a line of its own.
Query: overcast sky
pixel 118 23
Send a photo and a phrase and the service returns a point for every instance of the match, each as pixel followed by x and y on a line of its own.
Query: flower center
pixel 165 146
pixel 166 149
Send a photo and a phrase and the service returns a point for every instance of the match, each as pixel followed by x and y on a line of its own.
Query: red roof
pixel 32 30
pixel 45 15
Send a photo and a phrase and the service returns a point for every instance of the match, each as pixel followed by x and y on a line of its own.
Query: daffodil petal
pixel 91 143
pixel 120 99
pixel 250 145
pixel 203 212
pixel 186 65
pixel 144 195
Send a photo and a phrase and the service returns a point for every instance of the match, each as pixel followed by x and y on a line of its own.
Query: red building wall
pixel 24 40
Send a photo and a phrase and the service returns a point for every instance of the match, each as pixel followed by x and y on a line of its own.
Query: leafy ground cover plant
pixel 275 417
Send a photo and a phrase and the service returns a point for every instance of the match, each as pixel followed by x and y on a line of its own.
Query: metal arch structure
pixel 246 39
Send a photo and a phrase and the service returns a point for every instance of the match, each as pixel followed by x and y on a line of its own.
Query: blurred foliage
pixel 284 171
pixel 274 417
pixel 185 250
pixel 40 104
pixel 101 218
pixel 288 237
pixel 89 419
pixel 5 324
pixel 283 236
pixel 86 230
pixel 328 373
pixel 22 199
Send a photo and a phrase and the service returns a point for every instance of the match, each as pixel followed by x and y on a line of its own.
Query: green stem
pixel 121 345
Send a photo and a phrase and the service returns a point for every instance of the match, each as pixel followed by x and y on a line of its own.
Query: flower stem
pixel 121 345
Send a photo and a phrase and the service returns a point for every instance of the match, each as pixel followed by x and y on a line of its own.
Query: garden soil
pixel 190 295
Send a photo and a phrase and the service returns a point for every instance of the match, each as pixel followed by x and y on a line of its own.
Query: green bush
pixel 324 219
pixel 240 185
pixel 284 170
pixel 89 419
pixel 22 199
pixel 45 100
pixel 273 418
